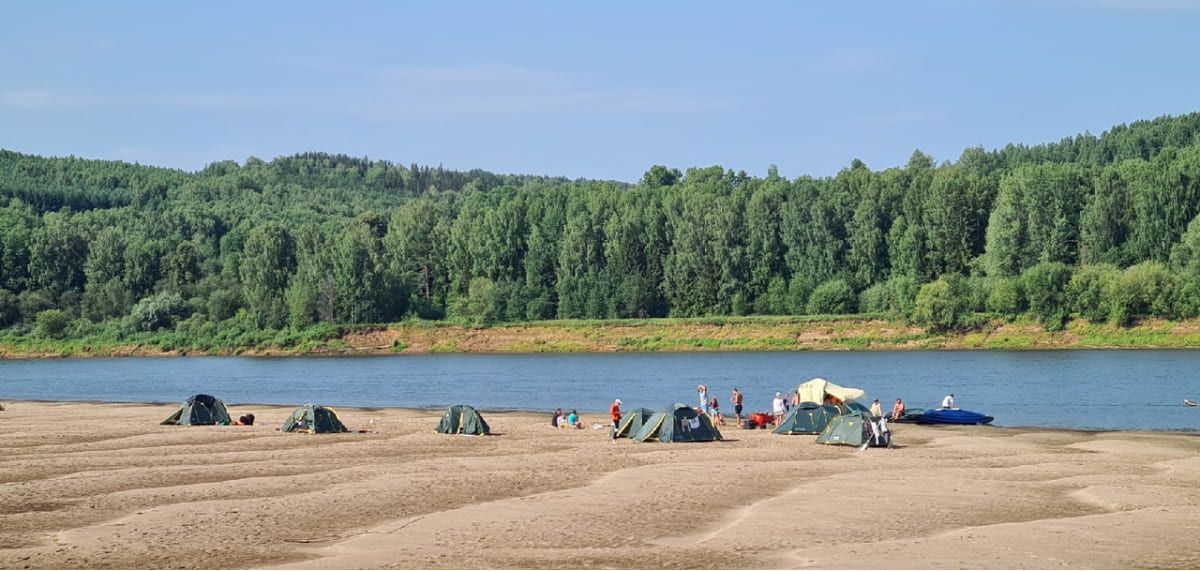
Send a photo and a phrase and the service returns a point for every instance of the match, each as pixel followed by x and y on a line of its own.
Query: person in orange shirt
pixel 615 411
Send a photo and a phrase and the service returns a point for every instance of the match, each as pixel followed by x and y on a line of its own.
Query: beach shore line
pixel 97 485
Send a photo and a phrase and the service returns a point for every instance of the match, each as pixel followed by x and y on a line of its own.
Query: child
pixel 714 408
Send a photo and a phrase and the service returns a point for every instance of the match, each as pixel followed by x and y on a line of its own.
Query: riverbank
pixel 104 486
pixel 821 333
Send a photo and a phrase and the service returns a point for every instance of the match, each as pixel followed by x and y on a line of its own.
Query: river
pixel 1110 389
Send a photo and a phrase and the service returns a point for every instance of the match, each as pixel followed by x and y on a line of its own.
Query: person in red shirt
pixel 615 411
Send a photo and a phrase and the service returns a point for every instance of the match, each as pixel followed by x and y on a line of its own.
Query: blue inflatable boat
pixel 952 416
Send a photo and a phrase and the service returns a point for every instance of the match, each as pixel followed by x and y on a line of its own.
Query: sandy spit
pixel 104 486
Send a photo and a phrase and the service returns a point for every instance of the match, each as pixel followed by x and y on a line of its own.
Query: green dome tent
pixel 810 418
pixel 632 422
pixel 200 410
pixel 678 423
pixel 855 429
pixel 856 407
pixel 313 419
pixel 463 419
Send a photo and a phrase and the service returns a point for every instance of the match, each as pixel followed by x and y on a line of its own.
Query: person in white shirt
pixel 948 402
pixel 777 408
pixel 876 409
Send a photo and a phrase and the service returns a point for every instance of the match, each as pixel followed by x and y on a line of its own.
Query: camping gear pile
pixel 759 420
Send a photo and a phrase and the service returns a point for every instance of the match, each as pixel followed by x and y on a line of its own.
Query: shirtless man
pixel 736 399
pixel 898 410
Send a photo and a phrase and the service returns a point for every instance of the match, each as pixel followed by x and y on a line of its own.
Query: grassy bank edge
pixel 794 333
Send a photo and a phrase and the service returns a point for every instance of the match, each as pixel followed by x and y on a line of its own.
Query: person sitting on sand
pixel 558 416
pixel 562 420
pixel 898 410
pixel 244 420
pixel 876 410
pixel 573 420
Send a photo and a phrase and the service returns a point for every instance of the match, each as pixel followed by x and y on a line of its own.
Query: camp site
pixel 467 284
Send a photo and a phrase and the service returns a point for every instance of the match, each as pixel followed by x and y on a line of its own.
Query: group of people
pixel 568 420
pixel 711 406
pixel 897 409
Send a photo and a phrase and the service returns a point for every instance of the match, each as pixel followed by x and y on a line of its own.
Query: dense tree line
pixel 1105 228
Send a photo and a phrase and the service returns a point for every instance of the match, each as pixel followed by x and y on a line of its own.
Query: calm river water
pixel 1073 389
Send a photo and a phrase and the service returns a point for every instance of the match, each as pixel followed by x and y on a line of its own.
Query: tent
pixel 463 419
pixel 810 418
pixel 678 423
pixel 313 419
pixel 855 429
pixel 854 406
pixel 198 410
pixel 632 422
pixel 820 391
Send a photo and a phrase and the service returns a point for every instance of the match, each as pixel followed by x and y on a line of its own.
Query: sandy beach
pixel 104 486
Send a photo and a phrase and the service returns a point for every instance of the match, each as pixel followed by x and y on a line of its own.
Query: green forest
pixel 1102 228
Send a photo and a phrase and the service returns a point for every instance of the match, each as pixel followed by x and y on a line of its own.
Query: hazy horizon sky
pixel 598 90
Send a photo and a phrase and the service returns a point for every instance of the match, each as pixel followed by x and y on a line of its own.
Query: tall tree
pixel 267 264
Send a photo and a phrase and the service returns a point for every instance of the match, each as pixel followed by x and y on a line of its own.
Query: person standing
pixel 703 390
pixel 615 412
pixel 876 410
pixel 714 407
pixel 777 407
pixel 736 399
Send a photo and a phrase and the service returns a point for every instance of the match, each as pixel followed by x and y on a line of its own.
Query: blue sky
pixel 598 89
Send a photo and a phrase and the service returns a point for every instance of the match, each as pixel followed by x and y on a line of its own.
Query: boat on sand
pixel 952 416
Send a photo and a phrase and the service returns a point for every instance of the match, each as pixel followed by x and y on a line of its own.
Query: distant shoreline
pixel 735 334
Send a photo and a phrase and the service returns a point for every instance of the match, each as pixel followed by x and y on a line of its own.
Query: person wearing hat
pixel 876 408
pixel 777 407
pixel 615 411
